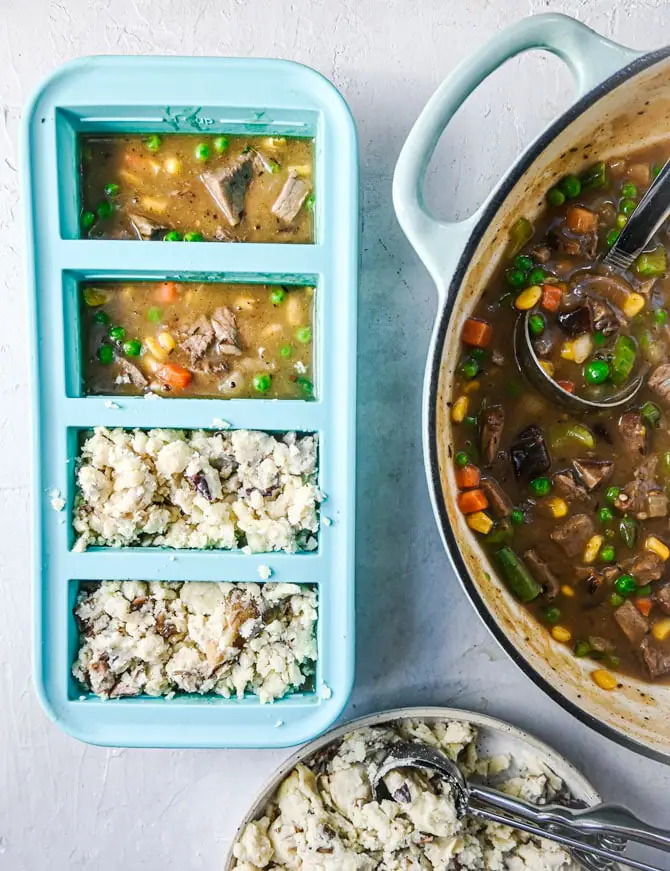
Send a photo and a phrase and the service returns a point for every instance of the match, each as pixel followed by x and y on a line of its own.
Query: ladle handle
pixel 651 212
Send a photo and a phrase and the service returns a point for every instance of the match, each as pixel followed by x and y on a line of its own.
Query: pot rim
pixel 559 763
pixel 434 366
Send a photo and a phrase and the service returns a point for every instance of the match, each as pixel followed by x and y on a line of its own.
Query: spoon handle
pixel 652 210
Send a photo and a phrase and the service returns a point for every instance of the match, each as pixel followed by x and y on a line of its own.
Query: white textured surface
pixel 67 806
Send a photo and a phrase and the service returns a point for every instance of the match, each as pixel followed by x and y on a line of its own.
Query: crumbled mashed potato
pixel 175 488
pixel 230 639
pixel 323 816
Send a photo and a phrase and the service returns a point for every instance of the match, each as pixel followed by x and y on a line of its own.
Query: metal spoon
pixel 652 210
pixel 600 831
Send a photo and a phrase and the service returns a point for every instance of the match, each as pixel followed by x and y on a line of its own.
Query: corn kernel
pixel 154 348
pixel 302 169
pixel 655 545
pixel 560 633
pixel 172 165
pixel 568 351
pixel 604 679
pixel 547 367
pixel 557 506
pixel 155 204
pixel 661 629
pixel 633 305
pixel 166 341
pixel 480 522
pixel 459 409
pixel 592 548
pixel 472 386
pixel 567 590
pixel 528 298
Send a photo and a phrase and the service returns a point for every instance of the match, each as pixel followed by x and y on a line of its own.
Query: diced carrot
pixel 551 297
pixel 467 477
pixel 581 220
pixel 472 500
pixel 174 375
pixel 477 333
pixel 569 386
pixel 644 605
pixel 167 292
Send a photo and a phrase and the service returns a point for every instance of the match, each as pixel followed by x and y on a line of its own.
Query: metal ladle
pixel 652 210
pixel 600 831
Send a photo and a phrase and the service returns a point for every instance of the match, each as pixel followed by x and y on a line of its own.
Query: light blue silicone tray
pixel 265 97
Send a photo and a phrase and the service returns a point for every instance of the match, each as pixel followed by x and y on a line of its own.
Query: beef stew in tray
pixel 573 509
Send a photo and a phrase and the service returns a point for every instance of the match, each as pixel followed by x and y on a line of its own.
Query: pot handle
pixel 590 57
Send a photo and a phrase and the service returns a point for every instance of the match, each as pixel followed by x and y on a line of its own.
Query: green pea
pixel 220 144
pixel 193 237
pixel 202 151
pixel 478 353
pixel 611 237
pixel 616 600
pixel 112 189
pixel 262 382
pixel 552 614
pixel 513 389
pixel 555 196
pixel 517 517
pixel 643 591
pixel 515 278
pixel 607 554
pixel 625 585
pixel 105 354
pixel 154 314
pixel 87 220
pixel 101 317
pixel 470 420
pixel 606 515
pixel 309 202
pixel 536 276
pixel 627 206
pixel 596 371
pixel 523 262
pixel 582 648
pixel 599 339
pixel 285 351
pixel 117 333
pixel 304 335
pixel 621 220
pixel 172 236
pixel 571 186
pixel 540 486
pixel 461 459
pixel 610 533
pixel 153 142
pixel 536 324
pixel 104 210
pixel 306 386
pixel 656 170
pixel 469 368
pixel 132 348
pixel 661 316
pixel 277 296
pixel 628 189
pixel 611 494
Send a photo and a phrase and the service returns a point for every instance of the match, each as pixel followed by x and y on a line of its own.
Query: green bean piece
pixel 611 237
pixel 594 176
pixel 502 533
pixel 656 170
pixel 628 530
pixel 555 196
pixel 652 264
pixel 651 414
pixel 623 359
pixel 564 434
pixel 106 354
pixel 520 233
pixel 571 186
pixel 220 144
pixel 516 575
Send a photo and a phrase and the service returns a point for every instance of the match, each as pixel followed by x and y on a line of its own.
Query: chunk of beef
pixel 655 658
pixel 499 502
pixel 642 499
pixel 529 454
pixel 145 228
pixel 603 316
pixel 224 325
pixel 575 322
pixel 661 597
pixel 633 433
pixel 131 371
pixel 228 186
pixel 492 423
pixel 593 473
pixel 645 567
pixel 544 344
pixel 575 244
pixel 568 487
pixel 200 336
pixel 632 623
pixel 659 382
pixel 497 358
pixel 542 573
pixel 541 254
pixel 290 200
pixel 199 481
pixel 573 534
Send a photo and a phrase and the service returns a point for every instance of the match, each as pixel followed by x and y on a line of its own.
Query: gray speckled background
pixel 65 806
